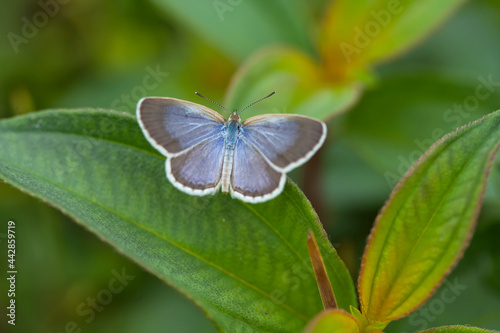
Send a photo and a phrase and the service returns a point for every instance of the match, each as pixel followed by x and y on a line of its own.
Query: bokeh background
pixel 109 54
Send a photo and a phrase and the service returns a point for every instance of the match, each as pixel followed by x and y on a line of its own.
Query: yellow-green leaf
pixel 357 34
pixel 425 226
pixel 333 321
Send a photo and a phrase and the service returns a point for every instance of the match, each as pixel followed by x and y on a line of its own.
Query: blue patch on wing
pixel 188 129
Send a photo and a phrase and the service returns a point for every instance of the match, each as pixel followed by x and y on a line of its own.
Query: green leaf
pixel 239 27
pixel 298 81
pixel 333 321
pixel 358 34
pixel 425 226
pixel 245 265
pixel 457 329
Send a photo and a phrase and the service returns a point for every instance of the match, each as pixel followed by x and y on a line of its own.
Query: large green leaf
pixel 240 27
pixel 246 265
pixel 428 221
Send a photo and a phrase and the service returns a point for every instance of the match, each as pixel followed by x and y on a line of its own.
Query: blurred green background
pixel 109 54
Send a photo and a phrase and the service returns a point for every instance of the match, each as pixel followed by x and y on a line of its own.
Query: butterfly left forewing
pixel 190 136
pixel 173 126
pixel 285 140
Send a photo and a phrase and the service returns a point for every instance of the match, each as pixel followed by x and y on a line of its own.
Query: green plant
pixel 247 266
pixel 422 231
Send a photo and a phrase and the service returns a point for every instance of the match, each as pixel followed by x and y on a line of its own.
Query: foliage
pixel 247 266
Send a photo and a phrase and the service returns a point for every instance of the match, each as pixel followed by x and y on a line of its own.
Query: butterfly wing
pixel 190 136
pixel 198 170
pixel 253 179
pixel 285 140
pixel 172 125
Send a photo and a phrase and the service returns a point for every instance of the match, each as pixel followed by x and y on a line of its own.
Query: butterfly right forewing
pixel 269 146
pixel 286 140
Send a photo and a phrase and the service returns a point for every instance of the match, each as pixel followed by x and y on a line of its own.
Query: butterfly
pixel 205 152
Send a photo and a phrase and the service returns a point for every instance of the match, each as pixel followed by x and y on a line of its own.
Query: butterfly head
pixel 234 117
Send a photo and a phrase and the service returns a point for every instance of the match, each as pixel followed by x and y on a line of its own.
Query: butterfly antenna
pixel 263 98
pixel 208 99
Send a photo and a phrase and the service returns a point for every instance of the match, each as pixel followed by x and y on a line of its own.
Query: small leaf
pixel 359 34
pixel 298 80
pixel 245 265
pixel 363 322
pixel 457 329
pixel 333 321
pixel 425 226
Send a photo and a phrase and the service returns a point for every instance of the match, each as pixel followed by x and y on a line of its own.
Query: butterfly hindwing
pixel 253 179
pixel 173 125
pixel 286 140
pixel 198 170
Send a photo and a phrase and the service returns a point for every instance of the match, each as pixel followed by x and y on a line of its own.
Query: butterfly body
pixel 231 135
pixel 205 152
